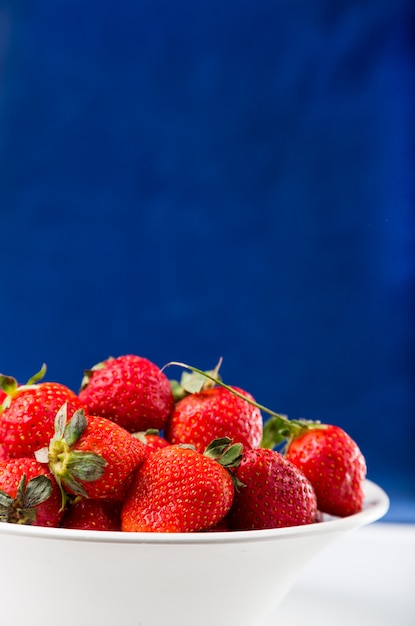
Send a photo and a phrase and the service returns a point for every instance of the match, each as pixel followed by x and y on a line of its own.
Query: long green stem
pixel 228 387
pixel 279 428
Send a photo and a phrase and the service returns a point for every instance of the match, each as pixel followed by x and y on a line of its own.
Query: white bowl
pixel 95 578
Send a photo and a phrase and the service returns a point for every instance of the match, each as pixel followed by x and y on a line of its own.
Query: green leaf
pixel 238 484
pixel 38 490
pixel 60 422
pixel 141 435
pixel 8 384
pixel 217 447
pixel 74 485
pixel 85 466
pixel 223 452
pixel 5 500
pixel 21 490
pixel 177 390
pixel 232 456
pixel 192 383
pixel 88 373
pixel 279 429
pixel 275 431
pixel 152 431
pixel 38 376
pixel 76 426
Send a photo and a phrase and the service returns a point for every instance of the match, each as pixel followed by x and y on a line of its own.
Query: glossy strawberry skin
pixel 27 424
pixel 93 515
pixel 177 490
pixel 131 391
pixel 122 452
pixel 275 493
pixel 213 413
pixel 3 453
pixel 334 465
pixel 153 442
pixel 48 513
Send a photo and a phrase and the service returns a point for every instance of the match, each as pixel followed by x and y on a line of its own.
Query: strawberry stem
pixel 277 429
pixel 38 376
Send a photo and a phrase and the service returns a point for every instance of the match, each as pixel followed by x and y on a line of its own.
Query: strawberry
pixel 220 527
pixel 91 456
pixel 29 493
pixel 93 515
pixel 129 390
pixel 274 493
pixel 205 412
pixel 152 440
pixel 28 413
pixel 334 464
pixel 3 453
pixel 178 489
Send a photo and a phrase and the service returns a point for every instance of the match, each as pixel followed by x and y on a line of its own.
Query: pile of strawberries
pixel 135 451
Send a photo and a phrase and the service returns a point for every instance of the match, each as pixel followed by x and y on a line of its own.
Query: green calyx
pixel 88 373
pixel 278 429
pixel 281 430
pixel 141 435
pixel 227 454
pixel 224 452
pixel 10 386
pixel 71 467
pixel 22 508
pixel 194 382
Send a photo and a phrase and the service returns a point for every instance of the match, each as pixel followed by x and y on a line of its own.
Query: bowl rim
pixel 375 506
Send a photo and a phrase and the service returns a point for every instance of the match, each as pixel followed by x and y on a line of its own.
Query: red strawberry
pixel 152 440
pixel 334 465
pixel 129 390
pixel 28 414
pixel 29 493
pixel 177 489
pixel 274 493
pixel 220 527
pixel 91 456
pixel 214 413
pixel 93 515
pixel 210 412
pixel 3 453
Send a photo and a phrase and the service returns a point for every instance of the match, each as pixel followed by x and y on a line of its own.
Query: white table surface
pixel 365 579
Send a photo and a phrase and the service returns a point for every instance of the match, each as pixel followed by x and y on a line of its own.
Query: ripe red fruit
pixel 129 390
pixel 152 440
pixel 28 414
pixel 3 453
pixel 334 464
pixel 91 456
pixel 29 493
pixel 177 489
pixel 93 515
pixel 274 493
pixel 213 413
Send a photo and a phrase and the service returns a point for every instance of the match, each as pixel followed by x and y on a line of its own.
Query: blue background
pixel 189 180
